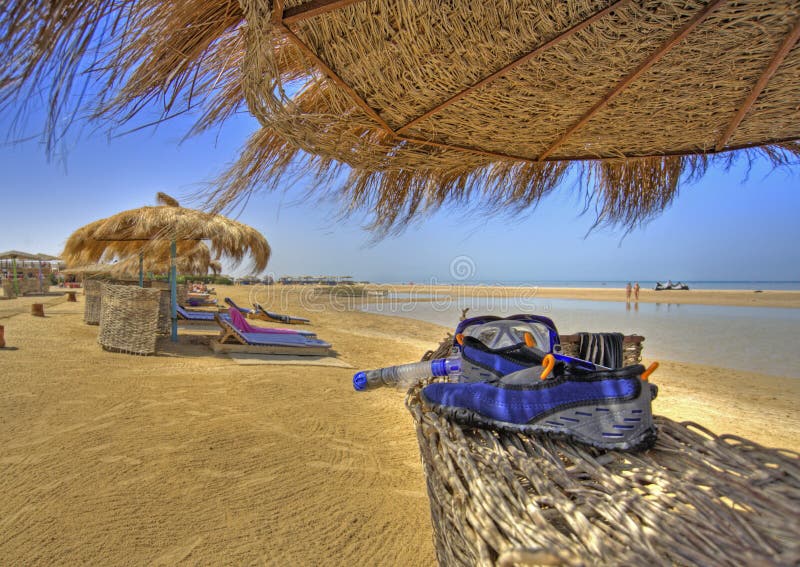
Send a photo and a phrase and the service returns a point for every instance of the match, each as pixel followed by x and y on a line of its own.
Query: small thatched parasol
pixel 194 261
pixel 434 102
pixel 82 249
pixel 148 231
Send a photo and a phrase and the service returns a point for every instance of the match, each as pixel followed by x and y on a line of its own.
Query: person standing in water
pixel 636 289
pixel 628 292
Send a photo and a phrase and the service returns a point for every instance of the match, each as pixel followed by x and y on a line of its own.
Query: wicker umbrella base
pixel 91 307
pixel 696 498
pixel 129 320
pixel 165 306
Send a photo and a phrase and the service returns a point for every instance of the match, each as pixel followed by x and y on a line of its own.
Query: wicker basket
pixel 696 498
pixel 164 312
pixel 145 283
pixel 182 289
pixel 33 285
pixel 8 289
pixel 25 286
pixel 631 347
pixel 129 320
pixel 92 289
pixel 164 307
pixel 183 293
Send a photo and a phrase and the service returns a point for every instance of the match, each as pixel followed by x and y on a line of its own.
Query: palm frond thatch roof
pixel 432 103
pixel 150 230
pixel 192 259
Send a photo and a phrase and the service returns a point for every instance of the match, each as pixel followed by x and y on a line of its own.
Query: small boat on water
pixel 671 286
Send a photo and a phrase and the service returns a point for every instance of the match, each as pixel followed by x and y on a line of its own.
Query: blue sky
pixel 732 225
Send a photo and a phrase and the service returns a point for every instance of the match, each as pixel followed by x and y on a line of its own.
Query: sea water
pixel 759 339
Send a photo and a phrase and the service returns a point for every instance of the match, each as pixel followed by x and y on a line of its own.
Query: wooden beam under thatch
pixel 477 151
pixel 311 9
pixel 513 65
pixel 331 74
pixel 277 12
pixel 635 74
pixel 786 46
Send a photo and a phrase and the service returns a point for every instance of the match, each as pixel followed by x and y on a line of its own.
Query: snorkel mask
pixel 492 347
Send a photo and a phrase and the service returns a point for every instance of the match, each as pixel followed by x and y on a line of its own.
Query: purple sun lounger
pixel 244 310
pixel 238 321
pixel 288 343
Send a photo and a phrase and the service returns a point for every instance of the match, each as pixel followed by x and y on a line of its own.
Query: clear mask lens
pixel 505 333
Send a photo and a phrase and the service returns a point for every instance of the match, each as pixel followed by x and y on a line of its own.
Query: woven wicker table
pixel 695 499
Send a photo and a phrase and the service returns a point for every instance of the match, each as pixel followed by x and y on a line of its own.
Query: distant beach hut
pixel 13 256
pixel 16 259
pixel 432 104
pixel 144 232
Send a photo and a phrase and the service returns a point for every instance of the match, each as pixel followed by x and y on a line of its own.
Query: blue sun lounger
pixel 195 316
pixel 265 315
pixel 234 340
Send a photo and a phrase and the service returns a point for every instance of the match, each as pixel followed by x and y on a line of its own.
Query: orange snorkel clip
pixel 548 363
pixel 529 340
pixel 650 369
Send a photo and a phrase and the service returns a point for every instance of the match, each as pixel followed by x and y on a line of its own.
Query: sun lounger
pixel 186 315
pixel 262 313
pixel 238 321
pixel 244 310
pixel 234 340
pixel 197 300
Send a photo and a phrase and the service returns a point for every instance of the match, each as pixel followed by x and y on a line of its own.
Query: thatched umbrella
pixel 145 231
pixel 431 103
pixel 131 257
pixel 196 262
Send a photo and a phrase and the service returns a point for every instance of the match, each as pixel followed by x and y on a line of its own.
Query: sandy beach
pixel 187 457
